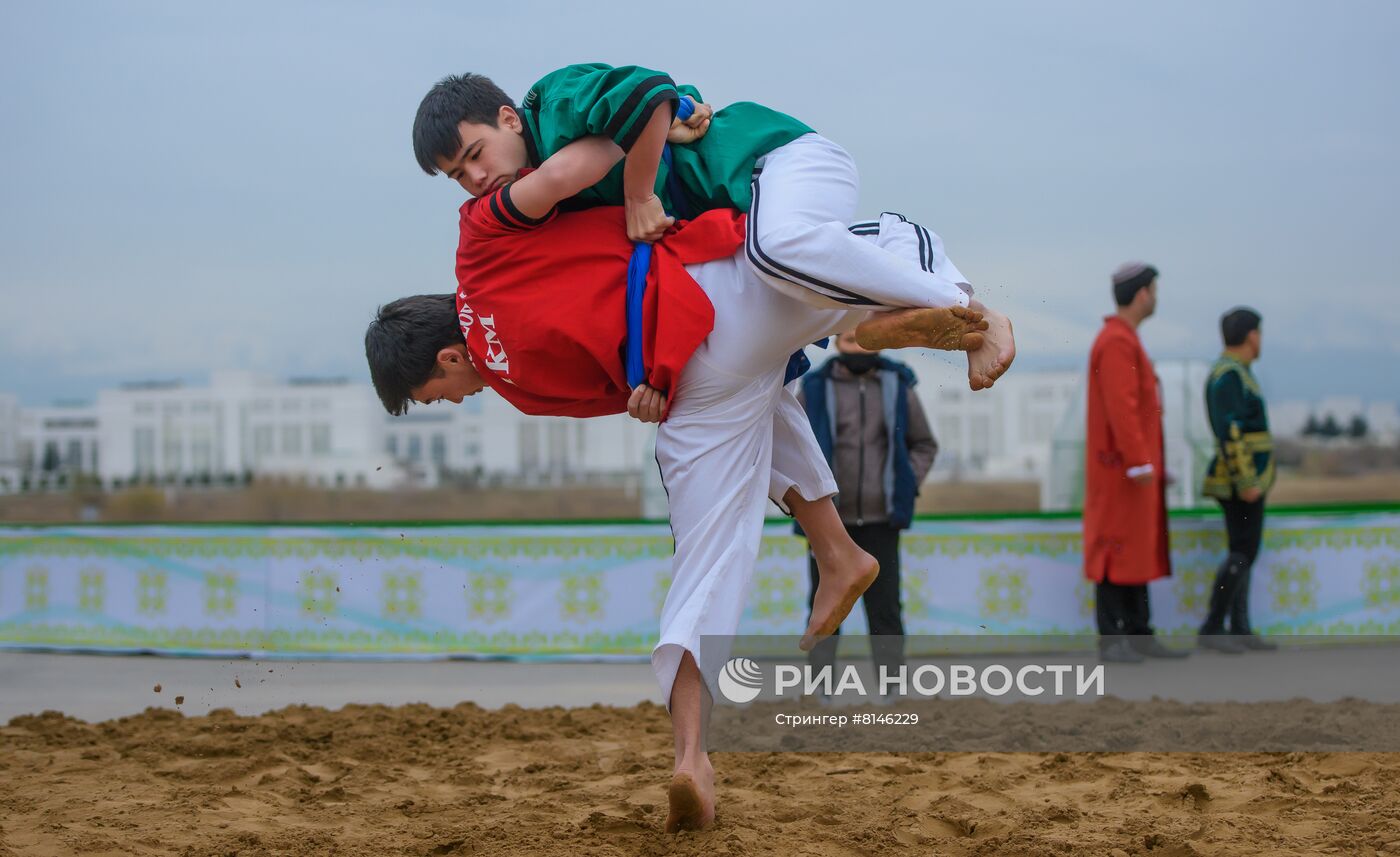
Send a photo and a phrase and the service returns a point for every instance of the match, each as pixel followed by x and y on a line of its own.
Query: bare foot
pixel 945 328
pixel 998 349
pixel 840 581
pixel 692 798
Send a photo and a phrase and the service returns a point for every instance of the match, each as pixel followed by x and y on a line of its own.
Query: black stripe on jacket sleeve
pixel 624 111
pixel 501 218
pixel 660 98
pixel 517 214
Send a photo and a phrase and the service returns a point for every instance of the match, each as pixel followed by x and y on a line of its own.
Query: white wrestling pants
pixel 734 437
pixel 804 196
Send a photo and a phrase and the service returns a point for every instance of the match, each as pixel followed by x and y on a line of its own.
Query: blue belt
pixel 637 269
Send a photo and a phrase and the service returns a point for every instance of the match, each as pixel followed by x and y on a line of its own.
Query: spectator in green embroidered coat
pixel 1239 478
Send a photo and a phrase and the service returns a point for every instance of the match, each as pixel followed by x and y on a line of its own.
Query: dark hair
pixel 402 344
pixel 453 100
pixel 1236 324
pixel 1126 289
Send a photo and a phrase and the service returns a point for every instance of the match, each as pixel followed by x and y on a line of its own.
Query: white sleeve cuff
pixel 1134 472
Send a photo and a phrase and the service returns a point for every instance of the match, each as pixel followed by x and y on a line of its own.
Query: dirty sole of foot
pixel 687 809
pixel 943 328
pixel 843 609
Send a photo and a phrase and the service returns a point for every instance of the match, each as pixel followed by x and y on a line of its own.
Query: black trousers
pixel 883 610
pixel 1229 599
pixel 1122 609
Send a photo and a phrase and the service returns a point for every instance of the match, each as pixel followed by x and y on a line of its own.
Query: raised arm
pixel 646 217
pixel 579 165
pixel 631 105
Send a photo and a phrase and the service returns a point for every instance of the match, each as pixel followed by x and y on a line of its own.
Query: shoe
pixel 1225 644
pixel 1256 643
pixel 1153 648
pixel 1119 652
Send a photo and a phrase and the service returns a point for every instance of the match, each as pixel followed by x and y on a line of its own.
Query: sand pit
pixel 375 780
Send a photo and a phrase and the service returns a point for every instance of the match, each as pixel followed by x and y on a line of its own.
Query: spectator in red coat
pixel 1125 509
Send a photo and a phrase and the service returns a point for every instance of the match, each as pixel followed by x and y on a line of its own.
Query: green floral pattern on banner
pixel 488 595
pixel 576 568
pixel 320 593
pixel 36 588
pixel 220 593
pixel 151 590
pixel 1001 593
pixel 1382 583
pixel 621 547
pixel 775 596
pixel 1293 587
pixel 92 590
pixel 918 594
pixel 330 640
pixel 401 595
pixel 1184 541
pixel 1192 584
pixel 1086 595
pixel 581 597
pixel 990 544
pixel 788 547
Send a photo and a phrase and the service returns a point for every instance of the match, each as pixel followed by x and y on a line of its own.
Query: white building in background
pixel 485 438
pixel 9 442
pixel 999 434
pixel 59 439
pixel 335 433
pixel 327 432
pixel 1383 422
pixel 1185 429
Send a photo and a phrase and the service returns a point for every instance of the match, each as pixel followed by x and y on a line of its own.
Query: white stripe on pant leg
pixel 902 237
pixel 806 183
pixel 715 452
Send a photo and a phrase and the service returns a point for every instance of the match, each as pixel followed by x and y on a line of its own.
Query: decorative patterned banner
pixel 596 591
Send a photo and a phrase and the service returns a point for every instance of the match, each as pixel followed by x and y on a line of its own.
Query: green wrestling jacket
pixel 1244 450
pixel 591 98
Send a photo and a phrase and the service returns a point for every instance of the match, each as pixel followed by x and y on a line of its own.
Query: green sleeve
pixel 1226 406
pixel 588 99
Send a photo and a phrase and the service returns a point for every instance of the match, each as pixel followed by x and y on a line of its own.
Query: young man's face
pixel 490 156
pixel 454 378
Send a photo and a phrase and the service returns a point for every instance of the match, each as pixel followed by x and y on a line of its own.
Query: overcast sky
pixel 187 187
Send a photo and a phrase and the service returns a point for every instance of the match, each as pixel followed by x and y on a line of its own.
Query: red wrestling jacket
pixel 542 302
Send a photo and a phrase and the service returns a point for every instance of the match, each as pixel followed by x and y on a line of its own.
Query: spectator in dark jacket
pixel 873 430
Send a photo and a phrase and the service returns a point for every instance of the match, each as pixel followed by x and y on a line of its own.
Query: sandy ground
pixel 418 780
pixel 227 776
